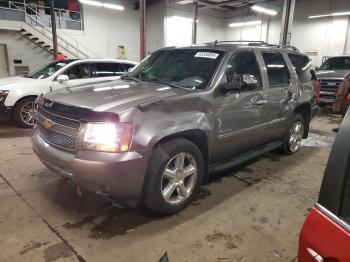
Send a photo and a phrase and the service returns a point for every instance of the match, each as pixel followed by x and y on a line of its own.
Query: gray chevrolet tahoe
pixel 330 74
pixel 155 135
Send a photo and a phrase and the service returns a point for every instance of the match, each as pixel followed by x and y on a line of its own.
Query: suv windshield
pixel 47 70
pixel 188 68
pixel 336 63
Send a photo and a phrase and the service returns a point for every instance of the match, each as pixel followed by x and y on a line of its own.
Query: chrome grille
pixel 62 131
pixel 329 89
pixel 60 120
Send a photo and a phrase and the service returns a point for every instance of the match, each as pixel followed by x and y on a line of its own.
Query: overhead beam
pixel 287 22
pixel 194 22
pixel 53 29
pixel 142 4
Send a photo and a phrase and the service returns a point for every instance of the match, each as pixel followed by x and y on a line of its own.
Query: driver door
pixel 78 74
pixel 241 115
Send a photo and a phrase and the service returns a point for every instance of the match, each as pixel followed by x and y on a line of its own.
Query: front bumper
pixel 5 112
pixel 116 175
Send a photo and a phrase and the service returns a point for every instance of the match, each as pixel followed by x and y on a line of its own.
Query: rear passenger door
pixel 109 71
pixel 279 93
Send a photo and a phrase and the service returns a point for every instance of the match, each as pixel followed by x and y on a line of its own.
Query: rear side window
pixel 109 69
pixel 302 65
pixel 277 71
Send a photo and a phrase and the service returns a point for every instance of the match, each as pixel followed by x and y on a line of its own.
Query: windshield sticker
pixel 206 55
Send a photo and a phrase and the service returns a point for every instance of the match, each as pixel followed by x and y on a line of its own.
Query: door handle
pixel 261 102
pixel 315 256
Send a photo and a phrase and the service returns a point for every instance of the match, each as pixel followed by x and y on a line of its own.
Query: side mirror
pixel 62 78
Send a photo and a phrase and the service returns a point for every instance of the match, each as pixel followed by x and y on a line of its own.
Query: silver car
pixel 155 135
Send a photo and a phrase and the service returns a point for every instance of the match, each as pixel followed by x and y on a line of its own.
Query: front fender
pixel 18 93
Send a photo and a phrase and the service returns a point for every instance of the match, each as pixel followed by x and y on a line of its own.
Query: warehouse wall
pixel 318 37
pixel 179 26
pixel 19 48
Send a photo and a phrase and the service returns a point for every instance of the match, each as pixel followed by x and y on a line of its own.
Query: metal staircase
pixel 34 30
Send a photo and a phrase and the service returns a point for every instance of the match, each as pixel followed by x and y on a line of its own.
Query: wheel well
pixel 199 138
pixel 305 111
pixel 22 98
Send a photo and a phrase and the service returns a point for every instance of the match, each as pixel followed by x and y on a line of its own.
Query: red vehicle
pixel 325 236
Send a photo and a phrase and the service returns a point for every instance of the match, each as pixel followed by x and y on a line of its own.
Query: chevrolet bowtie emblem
pixel 48 124
pixel 331 84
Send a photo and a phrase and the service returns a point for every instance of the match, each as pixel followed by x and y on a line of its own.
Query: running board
pixel 239 159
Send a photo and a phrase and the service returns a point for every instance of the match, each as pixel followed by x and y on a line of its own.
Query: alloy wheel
pixel 28 113
pixel 179 178
pixel 296 136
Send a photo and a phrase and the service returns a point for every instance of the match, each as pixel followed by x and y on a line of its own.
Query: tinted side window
pixel 244 67
pixel 302 65
pixel 277 71
pixel 109 69
pixel 79 71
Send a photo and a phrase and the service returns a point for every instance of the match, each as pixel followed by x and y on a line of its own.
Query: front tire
pixel 293 138
pixel 24 113
pixel 173 176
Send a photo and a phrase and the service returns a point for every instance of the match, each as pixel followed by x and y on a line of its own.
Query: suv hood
pixel 9 83
pixel 332 73
pixel 113 96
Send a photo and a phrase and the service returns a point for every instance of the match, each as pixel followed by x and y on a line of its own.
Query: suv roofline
pixel 235 44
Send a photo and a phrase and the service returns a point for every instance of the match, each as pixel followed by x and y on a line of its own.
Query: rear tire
pixel 24 113
pixel 292 140
pixel 171 183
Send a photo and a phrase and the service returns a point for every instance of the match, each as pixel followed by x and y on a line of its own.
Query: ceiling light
pixel 264 10
pixel 100 4
pixel 90 2
pixel 328 15
pixel 241 24
pixel 112 6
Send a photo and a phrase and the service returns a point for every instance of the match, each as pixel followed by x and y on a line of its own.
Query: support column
pixel 194 23
pixel 287 22
pixel 142 28
pixel 53 27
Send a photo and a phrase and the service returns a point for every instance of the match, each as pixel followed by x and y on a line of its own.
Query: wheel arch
pixel 24 97
pixel 199 138
pixel 305 111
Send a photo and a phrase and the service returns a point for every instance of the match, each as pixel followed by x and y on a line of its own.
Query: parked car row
pixel 17 94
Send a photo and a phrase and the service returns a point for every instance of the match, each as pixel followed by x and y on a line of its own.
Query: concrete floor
pixel 251 213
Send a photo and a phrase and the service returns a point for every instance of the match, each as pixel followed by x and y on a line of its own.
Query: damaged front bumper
pixel 118 176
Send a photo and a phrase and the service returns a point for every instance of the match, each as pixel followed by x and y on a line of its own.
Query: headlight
pixel 3 95
pixel 108 137
pixel 4 92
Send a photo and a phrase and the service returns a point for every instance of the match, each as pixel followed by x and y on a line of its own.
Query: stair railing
pixel 75 49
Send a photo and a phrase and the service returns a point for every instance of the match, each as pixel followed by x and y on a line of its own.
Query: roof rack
pixel 253 43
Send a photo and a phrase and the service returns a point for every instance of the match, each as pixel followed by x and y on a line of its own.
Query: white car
pixel 18 93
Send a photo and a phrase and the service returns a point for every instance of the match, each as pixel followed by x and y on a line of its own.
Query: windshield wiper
pixel 166 82
pixel 126 77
